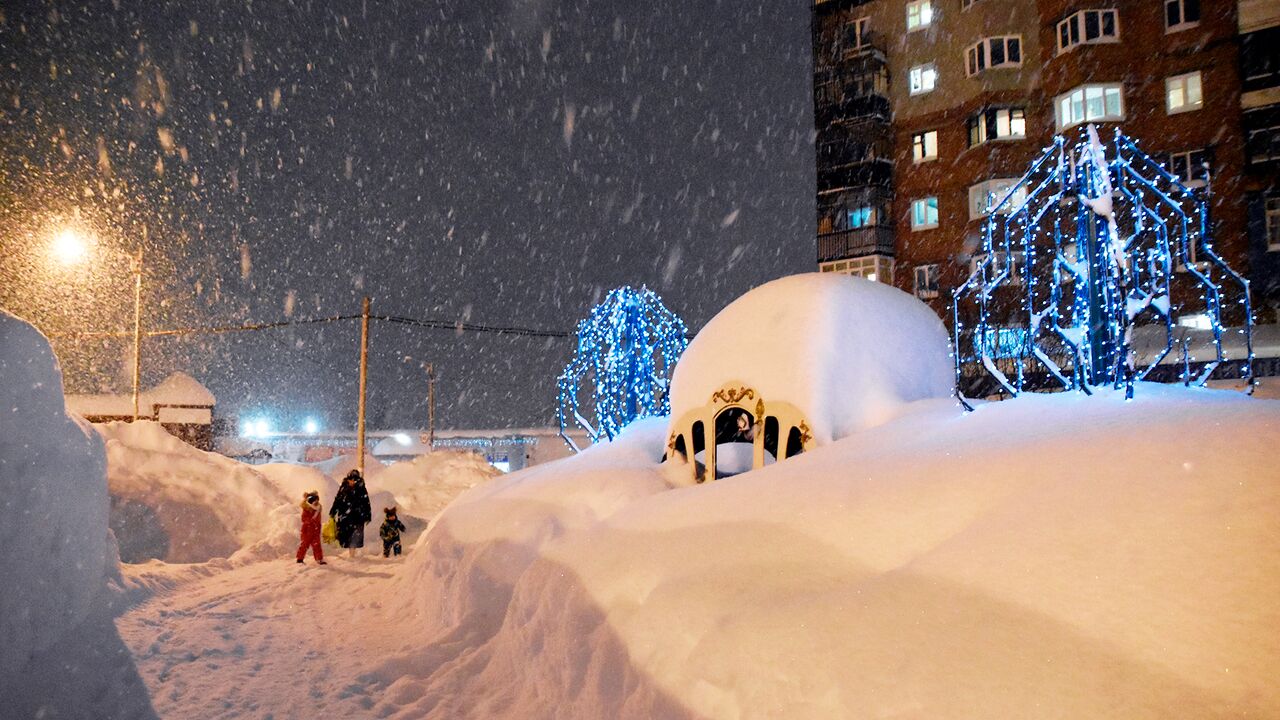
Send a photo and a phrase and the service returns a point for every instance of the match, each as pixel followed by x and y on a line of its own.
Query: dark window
pixel 1015 50
pixel 795 445
pixel 1109 24
pixel 1091 29
pixel 997 53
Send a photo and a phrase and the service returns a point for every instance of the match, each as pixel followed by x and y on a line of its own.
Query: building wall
pixel 1141 61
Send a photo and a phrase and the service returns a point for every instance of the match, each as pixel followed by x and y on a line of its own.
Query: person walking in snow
pixel 350 510
pixel 311 528
pixel 390 532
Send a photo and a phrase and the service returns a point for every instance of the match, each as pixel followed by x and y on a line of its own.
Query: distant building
pixel 180 404
pixel 927 109
pixel 508 450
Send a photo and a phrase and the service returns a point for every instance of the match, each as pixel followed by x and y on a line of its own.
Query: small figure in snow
pixel 350 510
pixel 311 527
pixel 390 532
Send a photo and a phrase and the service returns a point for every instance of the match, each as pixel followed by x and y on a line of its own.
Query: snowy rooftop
pixel 177 389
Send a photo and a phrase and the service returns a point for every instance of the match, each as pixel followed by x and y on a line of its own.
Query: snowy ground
pixel 267 640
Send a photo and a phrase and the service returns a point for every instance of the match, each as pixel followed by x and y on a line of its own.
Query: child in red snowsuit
pixel 311 527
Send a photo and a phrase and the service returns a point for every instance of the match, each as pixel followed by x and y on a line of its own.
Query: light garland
pixel 1094 244
pixel 627 349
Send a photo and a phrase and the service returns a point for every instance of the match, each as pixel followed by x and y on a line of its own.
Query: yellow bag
pixel 329 533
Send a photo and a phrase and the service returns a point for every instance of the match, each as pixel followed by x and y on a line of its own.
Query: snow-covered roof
pixel 177 389
pixel 845 351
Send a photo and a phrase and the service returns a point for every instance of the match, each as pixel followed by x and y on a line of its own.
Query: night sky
pixel 501 162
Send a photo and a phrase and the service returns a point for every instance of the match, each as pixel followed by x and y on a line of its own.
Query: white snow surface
pixel 54 545
pixel 1059 556
pixel 429 482
pixel 848 352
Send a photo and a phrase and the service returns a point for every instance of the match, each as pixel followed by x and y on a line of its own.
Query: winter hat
pixel 390 511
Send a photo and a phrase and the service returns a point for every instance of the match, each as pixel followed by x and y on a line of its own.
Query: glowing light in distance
pixel 70 247
pixel 311 426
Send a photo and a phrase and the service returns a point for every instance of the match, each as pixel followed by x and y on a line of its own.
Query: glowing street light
pixel 311 426
pixel 71 247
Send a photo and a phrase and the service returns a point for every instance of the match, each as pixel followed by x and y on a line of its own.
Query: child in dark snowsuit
pixel 311 527
pixel 390 532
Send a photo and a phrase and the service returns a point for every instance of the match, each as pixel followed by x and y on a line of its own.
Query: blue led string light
pixel 1091 248
pixel 621 371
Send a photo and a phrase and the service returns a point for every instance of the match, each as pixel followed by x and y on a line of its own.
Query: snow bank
pixel 847 352
pixel 173 502
pixel 53 494
pixel 425 485
pixel 1066 555
pixel 60 656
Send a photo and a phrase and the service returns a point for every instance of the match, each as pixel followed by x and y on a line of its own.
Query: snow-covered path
pixel 267 640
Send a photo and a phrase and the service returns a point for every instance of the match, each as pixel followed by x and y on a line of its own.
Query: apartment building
pixel 927 110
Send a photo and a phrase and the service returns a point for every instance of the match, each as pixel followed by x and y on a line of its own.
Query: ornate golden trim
pixel 731 395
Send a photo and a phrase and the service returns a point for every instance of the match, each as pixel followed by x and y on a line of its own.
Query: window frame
pixel 1181 81
pixel 1076 26
pixel 920 147
pixel 992 190
pixel 989 117
pixel 926 225
pixel 929 289
pixel 1188 157
pixel 1183 23
pixel 1019 259
pixel 977 57
pixel 859 28
pixel 924 11
pixel 1271 222
pixel 1083 90
pixel 929 67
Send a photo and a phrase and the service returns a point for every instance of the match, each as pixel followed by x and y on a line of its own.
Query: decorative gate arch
pixel 1079 252
pixel 736 413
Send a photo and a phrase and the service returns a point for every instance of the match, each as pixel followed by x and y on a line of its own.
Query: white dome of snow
pixel 847 352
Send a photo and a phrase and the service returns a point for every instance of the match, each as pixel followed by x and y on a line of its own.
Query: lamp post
pixel 71 247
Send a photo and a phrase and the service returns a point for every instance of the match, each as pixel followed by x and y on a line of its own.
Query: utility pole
pixel 431 407
pixel 364 377
pixel 137 330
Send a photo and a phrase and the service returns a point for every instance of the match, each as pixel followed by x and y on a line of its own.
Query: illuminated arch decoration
pixel 737 414
pixel 1077 254
pixel 621 370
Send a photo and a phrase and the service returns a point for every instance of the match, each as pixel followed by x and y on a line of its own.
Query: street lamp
pixel 71 247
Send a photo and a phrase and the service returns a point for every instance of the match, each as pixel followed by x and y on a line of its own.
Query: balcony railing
pixel 858 242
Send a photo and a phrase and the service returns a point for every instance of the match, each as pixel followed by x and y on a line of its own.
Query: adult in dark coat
pixel 350 511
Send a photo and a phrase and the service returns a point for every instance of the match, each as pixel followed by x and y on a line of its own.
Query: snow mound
pixel 1083 556
pixel 173 502
pixel 848 352
pixel 55 550
pixel 425 485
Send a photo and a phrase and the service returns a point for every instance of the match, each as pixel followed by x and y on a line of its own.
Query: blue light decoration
pixel 621 371
pixel 1078 254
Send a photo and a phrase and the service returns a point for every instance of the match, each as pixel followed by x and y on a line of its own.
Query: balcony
pixel 858 242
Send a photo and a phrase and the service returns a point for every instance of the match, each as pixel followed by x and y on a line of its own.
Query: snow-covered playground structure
pixel 788 367
pixel 1089 248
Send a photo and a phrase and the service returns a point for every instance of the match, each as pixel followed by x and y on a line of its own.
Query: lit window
pixel 1182 93
pixel 1088 103
pixel 988 195
pixel 926 281
pixel 923 79
pixel 991 53
pixel 999 265
pixel 924 146
pixel 1273 224
pixel 1191 167
pixel 858 37
pixel 919 14
pixel 1181 14
pixel 861 217
pixel 876 268
pixel 997 124
pixel 924 213
pixel 1088 27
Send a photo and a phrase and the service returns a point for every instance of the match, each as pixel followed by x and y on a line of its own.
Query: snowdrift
pixel 173 502
pixel 1055 555
pixel 426 484
pixel 54 499
pixel 60 655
